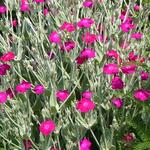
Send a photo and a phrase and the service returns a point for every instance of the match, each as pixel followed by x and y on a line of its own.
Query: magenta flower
pixel 2 9
pixel 112 53
pixel 127 26
pixel 136 7
pixel 27 144
pixel 3 97
pixel 39 89
pixel 111 69
pixel 122 15
pixel 117 102
pixel 7 57
pixel 141 95
pixel 47 127
pixel 85 144
pixel 129 69
pixel 88 53
pixel 144 75
pixel 69 27
pixel 133 56
pixel 117 83
pixel 85 105
pixel 10 93
pixel 54 37
pixel 23 87
pixel 87 94
pixel 125 18
pixel 88 3
pixel 45 11
pixel 24 7
pixel 141 59
pixel 89 38
pixel 136 35
pixel 85 23
pixel 14 23
pixel 80 60
pixel 24 1
pixel 68 46
pixel 62 95
pixel 3 69
pixel 128 137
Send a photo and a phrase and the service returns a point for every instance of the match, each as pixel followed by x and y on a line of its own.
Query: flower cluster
pixel 64 70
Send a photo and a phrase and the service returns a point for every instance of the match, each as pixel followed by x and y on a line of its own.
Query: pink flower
pixel 54 37
pixel 88 53
pixel 111 69
pixel 89 38
pixel 23 87
pixel 112 53
pixel 117 102
pixel 68 46
pixel 122 15
pixel 69 27
pixel 127 19
pixel 127 26
pixel 24 7
pixel 10 93
pixel 88 3
pixel 144 75
pixel 133 56
pixel 141 59
pixel 3 69
pixel 3 97
pixel 85 105
pixel 136 35
pixel 80 60
pixel 24 1
pixel 39 1
pixel 85 144
pixel 14 23
pixel 39 89
pixel 62 95
pixel 85 23
pixel 45 11
pixel 136 7
pixel 7 57
pixel 87 94
pixel 47 127
pixel 129 69
pixel 27 144
pixel 117 83
pixel 128 137
pixel 141 95
pixel 2 9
